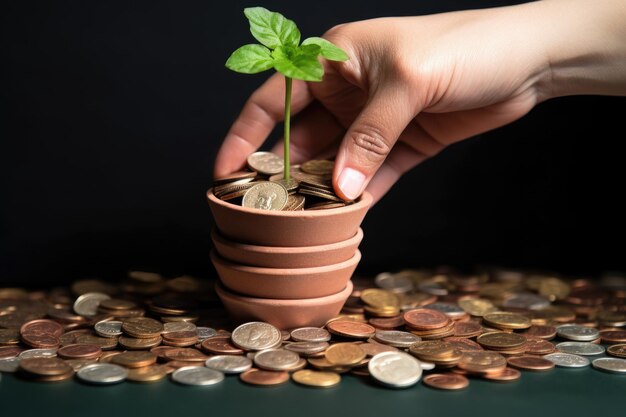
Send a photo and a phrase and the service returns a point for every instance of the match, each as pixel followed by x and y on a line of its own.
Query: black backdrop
pixel 112 112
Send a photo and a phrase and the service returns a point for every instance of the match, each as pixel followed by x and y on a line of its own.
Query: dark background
pixel 112 113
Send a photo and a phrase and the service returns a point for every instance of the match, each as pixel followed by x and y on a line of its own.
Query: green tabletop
pixel 563 392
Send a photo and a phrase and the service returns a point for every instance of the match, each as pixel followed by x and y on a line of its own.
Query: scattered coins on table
pixel 263 187
pixel 438 327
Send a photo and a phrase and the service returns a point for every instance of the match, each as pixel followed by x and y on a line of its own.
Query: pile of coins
pixel 263 186
pixel 439 327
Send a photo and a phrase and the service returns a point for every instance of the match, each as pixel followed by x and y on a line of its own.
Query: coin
pixel 142 327
pixel 108 328
pixel 477 306
pixel 567 360
pixel 266 163
pixel 500 340
pixel 317 379
pixel 134 359
pixel 185 354
pixel 220 346
pixel 38 353
pixel 45 366
pixel 447 381
pixel 229 364
pixel 395 369
pixel 614 336
pixel 205 333
pixel 235 176
pixel 372 349
pixel 266 196
pixel 310 334
pixel 7 352
pixel 531 363
pixel 256 335
pixel 539 347
pixel 542 332
pixel 307 348
pixel 612 365
pixel 425 319
pixel 396 283
pixel 351 329
pixel 580 348
pixel 87 304
pixel 102 373
pixel 506 375
pixel 578 333
pixel 482 362
pixel 390 323
pixel 318 167
pixel 133 343
pixel 345 354
pixel 195 375
pixel 467 329
pixel 276 359
pixel 449 309
pixel 150 373
pixel 504 320
pixel 396 338
pixel 294 202
pixel 617 350
pixel 77 351
pixel 260 377
pixel 9 365
pixel 380 298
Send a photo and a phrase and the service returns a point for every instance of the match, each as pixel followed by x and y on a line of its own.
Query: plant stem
pixel 287 170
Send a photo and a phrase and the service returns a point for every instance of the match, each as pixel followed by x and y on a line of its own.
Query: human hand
pixel 412 86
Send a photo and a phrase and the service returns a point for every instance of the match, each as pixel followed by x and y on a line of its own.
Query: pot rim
pixel 365 199
pixel 354 259
pixel 222 291
pixel 282 250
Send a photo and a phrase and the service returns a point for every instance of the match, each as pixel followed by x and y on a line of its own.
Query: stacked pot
pixel 288 268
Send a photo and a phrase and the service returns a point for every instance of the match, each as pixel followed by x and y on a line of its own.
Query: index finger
pixel 257 119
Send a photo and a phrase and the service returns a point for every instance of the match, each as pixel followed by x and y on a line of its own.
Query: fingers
pixel 370 139
pixel 262 111
pixel 312 132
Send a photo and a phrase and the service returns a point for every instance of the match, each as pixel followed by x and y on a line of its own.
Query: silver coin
pixel 613 365
pixel 427 366
pixel 9 365
pixel 395 369
pixel 310 334
pixel 526 300
pixel 276 359
pixel 567 360
pixel 397 283
pixel 266 163
pixel 266 196
pixel 307 348
pixel 205 333
pixel 580 348
pixel 178 326
pixel 108 328
pixel 38 353
pixel 577 332
pixel 102 373
pixel 396 338
pixel 197 375
pixel 229 364
pixel 87 304
pixel 449 309
pixel 256 335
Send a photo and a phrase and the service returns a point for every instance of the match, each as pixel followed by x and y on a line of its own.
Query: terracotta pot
pixel 285 257
pixel 284 314
pixel 288 228
pixel 285 283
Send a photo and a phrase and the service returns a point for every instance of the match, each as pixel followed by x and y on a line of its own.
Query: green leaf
pixel 272 29
pixel 328 50
pixel 292 63
pixel 250 59
pixel 312 50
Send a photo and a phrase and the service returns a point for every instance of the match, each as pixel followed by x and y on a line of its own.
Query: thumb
pixel 370 138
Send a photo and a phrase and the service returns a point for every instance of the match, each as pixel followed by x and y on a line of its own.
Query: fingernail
pixel 351 182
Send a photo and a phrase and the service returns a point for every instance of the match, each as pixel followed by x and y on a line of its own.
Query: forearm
pixel 585 46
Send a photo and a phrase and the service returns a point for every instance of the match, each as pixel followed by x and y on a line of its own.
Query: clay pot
pixel 284 314
pixel 285 257
pixel 285 283
pixel 288 228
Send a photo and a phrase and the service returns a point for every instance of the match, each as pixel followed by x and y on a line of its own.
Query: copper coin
pixel 9 337
pixel 501 340
pixel 51 378
pixel 389 323
pixel 507 375
pixel 105 343
pixel 425 319
pixel 142 327
pixel 69 338
pixel 135 343
pixel 541 332
pixel 531 363
pixel 481 362
pixel 117 304
pixel 45 366
pixel 259 377
pixel 84 351
pixel 134 359
pixel 221 346
pixel 447 381
pixel 150 373
pixel 617 350
pixel 535 346
pixel 182 364
pixel 351 329
pixel 41 340
pixel 7 352
pixel 186 354
pixel 372 349
pixel 467 329
pixel 42 326
pixel 160 351
pixel 462 343
pixel 613 336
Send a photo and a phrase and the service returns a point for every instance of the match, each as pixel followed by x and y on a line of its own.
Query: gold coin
pixel 316 378
pixel 504 320
pixel 345 354
pixel 477 306
pixel 150 373
pixel 266 163
pixel 134 359
pixel 142 327
pixel 318 167
pixel 266 196
pixel 380 299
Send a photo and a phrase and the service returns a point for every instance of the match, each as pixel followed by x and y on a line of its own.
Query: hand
pixel 412 86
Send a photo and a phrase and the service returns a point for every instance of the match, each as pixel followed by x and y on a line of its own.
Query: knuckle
pixel 370 144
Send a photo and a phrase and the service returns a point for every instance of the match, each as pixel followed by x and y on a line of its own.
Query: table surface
pixel 568 392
